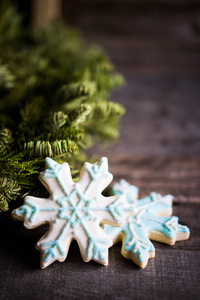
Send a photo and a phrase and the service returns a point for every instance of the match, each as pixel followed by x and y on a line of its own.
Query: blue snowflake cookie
pixel 153 221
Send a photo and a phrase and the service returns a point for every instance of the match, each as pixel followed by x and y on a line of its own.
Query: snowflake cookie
pixel 125 188
pixel 74 211
pixel 152 221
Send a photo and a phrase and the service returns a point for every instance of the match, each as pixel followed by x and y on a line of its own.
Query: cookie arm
pixel 94 243
pixel 36 211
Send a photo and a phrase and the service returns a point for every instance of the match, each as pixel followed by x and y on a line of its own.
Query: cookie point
pixel 104 159
pixel 104 162
pixel 169 197
pixel 49 160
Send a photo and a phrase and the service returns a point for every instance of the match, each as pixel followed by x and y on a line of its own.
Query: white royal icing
pixel 74 211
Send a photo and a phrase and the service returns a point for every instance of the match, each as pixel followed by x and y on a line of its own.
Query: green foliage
pixel 54 101
pixel 9 190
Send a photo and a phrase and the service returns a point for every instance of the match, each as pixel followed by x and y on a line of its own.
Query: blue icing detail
pixel 97 249
pixel 75 208
pixel 29 210
pixel 54 172
pixel 50 252
pixel 137 227
pixel 98 172
pixel 123 187
pixel 117 208
pixel 137 241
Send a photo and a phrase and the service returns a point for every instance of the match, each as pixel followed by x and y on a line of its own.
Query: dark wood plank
pixel 162 116
pixel 173 273
pixel 158 52
pixel 179 176
pixel 156 46
pixel 139 37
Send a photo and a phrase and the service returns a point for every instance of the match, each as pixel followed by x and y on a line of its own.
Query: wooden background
pixel 156 46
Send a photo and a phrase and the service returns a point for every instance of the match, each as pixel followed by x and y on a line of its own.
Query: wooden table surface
pixel 156 46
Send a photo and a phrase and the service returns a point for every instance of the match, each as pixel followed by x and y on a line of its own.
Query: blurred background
pixel 155 45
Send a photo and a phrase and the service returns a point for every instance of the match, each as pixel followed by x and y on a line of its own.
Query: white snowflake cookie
pixel 74 211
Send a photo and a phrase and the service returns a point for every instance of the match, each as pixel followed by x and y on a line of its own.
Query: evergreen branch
pixel 79 115
pixel 9 190
pixel 6 138
pixel 74 104
pixel 107 133
pixel 31 117
pixel 50 149
pixel 16 166
pixel 10 23
pixel 108 82
pixel 106 110
pixel 7 79
pixel 56 120
pixel 65 133
pixel 54 100
pixel 73 91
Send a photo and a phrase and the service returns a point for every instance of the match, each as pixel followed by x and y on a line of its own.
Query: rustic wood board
pixel 156 46
pixel 179 176
pixel 173 273
pixel 142 39
pixel 157 49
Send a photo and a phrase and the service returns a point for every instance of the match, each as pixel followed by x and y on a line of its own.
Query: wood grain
pixel 179 176
pixel 173 273
pixel 157 49
pixel 156 46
